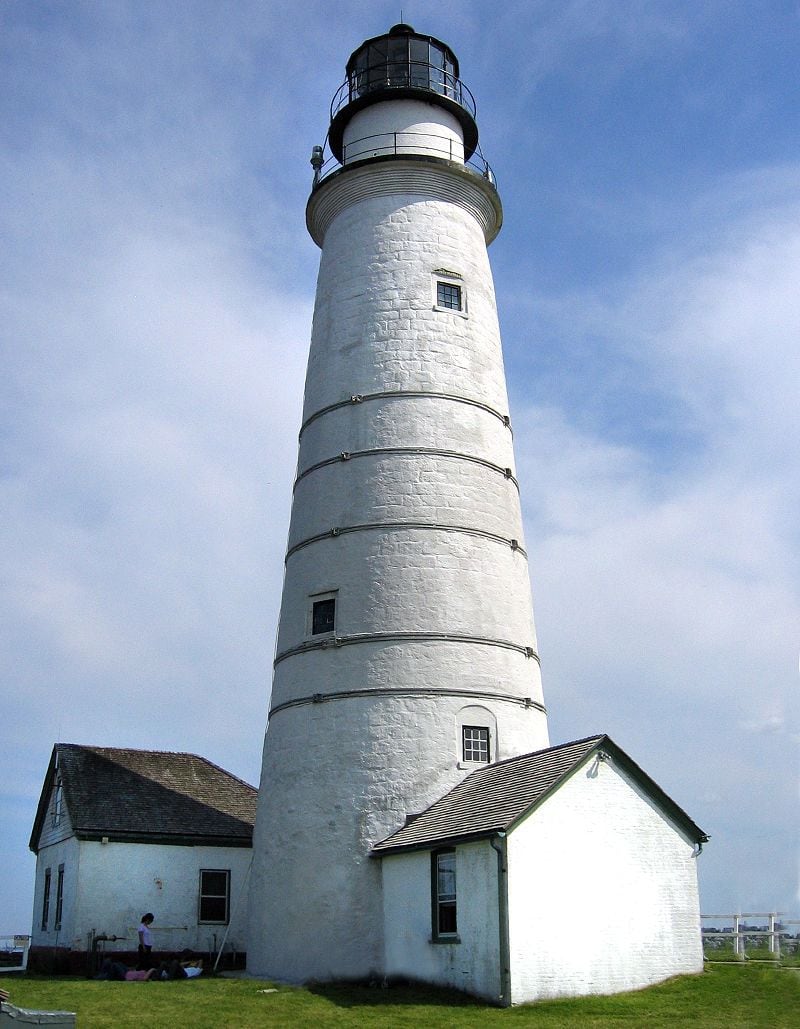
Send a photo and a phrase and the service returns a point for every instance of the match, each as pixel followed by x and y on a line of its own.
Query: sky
pixel 156 292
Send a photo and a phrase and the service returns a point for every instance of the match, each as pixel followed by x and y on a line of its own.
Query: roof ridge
pixel 96 748
pixel 133 750
pixel 542 750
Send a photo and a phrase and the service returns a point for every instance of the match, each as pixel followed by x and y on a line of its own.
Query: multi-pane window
pixel 59 897
pixel 323 616
pixel 46 899
pixel 448 294
pixel 58 800
pixel 443 873
pixel 215 890
pixel 475 743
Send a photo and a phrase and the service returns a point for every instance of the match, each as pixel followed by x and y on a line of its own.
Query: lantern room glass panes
pixel 419 61
pixel 397 62
pixel 403 61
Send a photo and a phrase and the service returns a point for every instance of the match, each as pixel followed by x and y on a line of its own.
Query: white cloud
pixel 666 590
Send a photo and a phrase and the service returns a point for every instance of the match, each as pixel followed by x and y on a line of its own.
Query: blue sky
pixel 155 308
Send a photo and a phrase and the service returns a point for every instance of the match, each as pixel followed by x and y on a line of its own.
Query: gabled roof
pixel 496 797
pixel 148 796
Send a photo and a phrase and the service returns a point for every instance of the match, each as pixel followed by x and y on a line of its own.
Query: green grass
pixel 788 958
pixel 723 996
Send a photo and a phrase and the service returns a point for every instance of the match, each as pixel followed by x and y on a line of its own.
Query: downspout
pixel 501 848
pixel 235 912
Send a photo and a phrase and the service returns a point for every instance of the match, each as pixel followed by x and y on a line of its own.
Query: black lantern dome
pixel 403 64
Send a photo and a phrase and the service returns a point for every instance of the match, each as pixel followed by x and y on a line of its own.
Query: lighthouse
pixel 406 655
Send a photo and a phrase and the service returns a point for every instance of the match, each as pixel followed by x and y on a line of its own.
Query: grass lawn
pixel 723 996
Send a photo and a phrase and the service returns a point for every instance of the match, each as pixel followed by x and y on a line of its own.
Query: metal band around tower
pixel 401 637
pixel 348 455
pixel 395 394
pixel 409 526
pixel 431 177
pixel 411 691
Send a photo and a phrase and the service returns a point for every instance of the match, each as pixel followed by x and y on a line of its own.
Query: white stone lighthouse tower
pixel 406 651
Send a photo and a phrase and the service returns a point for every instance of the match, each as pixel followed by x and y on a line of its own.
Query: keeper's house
pixel 122 832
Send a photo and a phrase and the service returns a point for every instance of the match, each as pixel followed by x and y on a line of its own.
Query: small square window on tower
pixel 475 740
pixel 323 615
pixel 449 293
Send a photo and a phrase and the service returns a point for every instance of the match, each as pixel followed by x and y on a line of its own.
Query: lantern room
pixel 402 65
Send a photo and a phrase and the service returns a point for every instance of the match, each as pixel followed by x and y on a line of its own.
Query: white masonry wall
pixel 603 892
pixel 65 851
pixel 108 887
pixel 473 963
pixel 364 731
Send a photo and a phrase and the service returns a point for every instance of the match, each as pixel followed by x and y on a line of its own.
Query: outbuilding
pixel 122 832
pixel 563 872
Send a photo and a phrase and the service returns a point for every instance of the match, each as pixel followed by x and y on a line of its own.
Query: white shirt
pixel 145 935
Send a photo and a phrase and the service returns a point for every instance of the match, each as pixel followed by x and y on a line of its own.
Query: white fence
pixel 778 936
pixel 14 953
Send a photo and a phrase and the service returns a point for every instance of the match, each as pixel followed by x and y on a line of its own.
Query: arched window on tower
pixel 476 736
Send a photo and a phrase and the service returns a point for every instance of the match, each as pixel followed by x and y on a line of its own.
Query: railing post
pixel 738 946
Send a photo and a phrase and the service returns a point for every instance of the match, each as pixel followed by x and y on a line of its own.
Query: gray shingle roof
pixel 149 796
pixel 495 797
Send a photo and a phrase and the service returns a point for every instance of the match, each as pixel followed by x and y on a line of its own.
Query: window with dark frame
pixel 215 891
pixel 323 616
pixel 448 294
pixel 443 890
pixel 46 899
pixel 59 897
pixel 475 743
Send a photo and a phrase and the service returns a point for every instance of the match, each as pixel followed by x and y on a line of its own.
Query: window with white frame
pixel 475 743
pixel 215 892
pixel 475 738
pixel 443 895
pixel 449 292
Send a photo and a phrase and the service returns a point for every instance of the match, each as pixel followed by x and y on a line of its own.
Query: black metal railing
pixel 401 144
pixel 402 75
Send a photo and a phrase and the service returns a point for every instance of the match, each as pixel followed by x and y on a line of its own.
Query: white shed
pixel 122 832
pixel 559 873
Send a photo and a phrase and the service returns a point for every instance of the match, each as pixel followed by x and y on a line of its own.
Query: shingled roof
pixel 495 797
pixel 148 796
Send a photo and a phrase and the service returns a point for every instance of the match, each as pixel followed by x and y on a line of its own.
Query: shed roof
pixel 495 797
pixel 148 796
